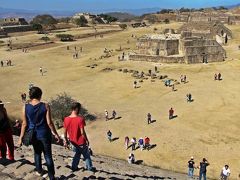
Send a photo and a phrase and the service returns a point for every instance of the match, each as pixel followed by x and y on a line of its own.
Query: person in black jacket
pixel 6 138
pixel 203 169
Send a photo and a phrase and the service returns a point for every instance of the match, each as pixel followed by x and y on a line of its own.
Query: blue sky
pixel 109 4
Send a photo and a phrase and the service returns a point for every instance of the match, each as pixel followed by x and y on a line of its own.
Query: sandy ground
pixel 207 127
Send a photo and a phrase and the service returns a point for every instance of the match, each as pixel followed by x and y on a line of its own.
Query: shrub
pixel 65 37
pixel 45 38
pixel 81 21
pixel 123 26
pixel 166 21
pixel 61 107
pixel 37 27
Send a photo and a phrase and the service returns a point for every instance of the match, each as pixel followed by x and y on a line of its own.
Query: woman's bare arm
pixel 24 125
pixel 50 122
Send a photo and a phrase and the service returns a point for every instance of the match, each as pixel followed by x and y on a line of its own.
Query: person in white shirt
pixel 225 172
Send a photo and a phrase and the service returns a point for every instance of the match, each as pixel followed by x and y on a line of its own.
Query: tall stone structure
pixel 178 48
pixel 209 30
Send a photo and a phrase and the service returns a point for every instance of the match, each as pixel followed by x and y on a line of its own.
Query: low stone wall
pixel 161 59
pixel 197 58
pixel 20 28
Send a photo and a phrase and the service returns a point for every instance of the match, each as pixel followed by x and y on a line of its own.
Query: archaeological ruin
pixel 91 18
pixel 211 16
pixel 10 25
pixel 209 30
pixel 178 48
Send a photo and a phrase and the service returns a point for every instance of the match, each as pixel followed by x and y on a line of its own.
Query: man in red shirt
pixel 74 127
pixel 171 112
pixel 147 143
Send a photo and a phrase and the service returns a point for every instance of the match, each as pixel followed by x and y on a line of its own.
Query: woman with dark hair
pixel 37 117
pixel 6 138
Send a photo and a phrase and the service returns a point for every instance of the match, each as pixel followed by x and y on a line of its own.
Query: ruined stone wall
pixel 3 34
pixel 182 18
pixel 202 50
pixel 13 21
pixel 234 20
pixel 160 59
pixel 199 19
pixel 11 29
pixel 159 47
pixel 172 47
pixel 150 47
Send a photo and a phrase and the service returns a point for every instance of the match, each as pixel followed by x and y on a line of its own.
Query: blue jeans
pixel 202 174
pixel 81 150
pixel 44 145
pixel 190 172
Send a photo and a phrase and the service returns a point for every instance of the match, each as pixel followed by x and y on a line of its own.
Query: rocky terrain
pixel 107 168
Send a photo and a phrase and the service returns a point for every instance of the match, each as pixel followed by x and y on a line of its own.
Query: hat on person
pixel 192 157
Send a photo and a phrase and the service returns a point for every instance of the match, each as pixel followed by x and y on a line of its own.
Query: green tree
pixel 166 21
pixel 65 37
pixel 37 27
pixel 61 107
pixel 81 21
pixel 108 18
pixel 123 26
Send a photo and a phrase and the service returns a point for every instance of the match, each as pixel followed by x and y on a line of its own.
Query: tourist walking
pixel 215 76
pixel 189 97
pixel 184 78
pixel 2 63
pixel 203 169
pixel 114 114
pixel 126 142
pixel 135 84
pixel 134 142
pixel 147 143
pixel 225 173
pixel 37 119
pixel 171 112
pixel 181 78
pixel 149 118
pixel 74 127
pixel 141 143
pixel 6 138
pixel 41 71
pixel 191 167
pixel 109 136
pixel 219 76
pixel 23 97
pixel 106 115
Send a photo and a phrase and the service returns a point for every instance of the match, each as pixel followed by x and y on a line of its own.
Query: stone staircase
pixel 107 167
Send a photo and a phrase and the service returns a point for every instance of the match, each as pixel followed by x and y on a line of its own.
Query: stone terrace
pixel 107 167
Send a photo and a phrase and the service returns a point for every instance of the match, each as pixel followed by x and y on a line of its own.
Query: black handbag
pixel 30 134
pixel 28 137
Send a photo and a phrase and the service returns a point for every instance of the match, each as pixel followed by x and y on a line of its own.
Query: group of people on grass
pixel 218 76
pixel 37 117
pixel 7 62
pixel 224 174
pixel 107 117
pixel 170 116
